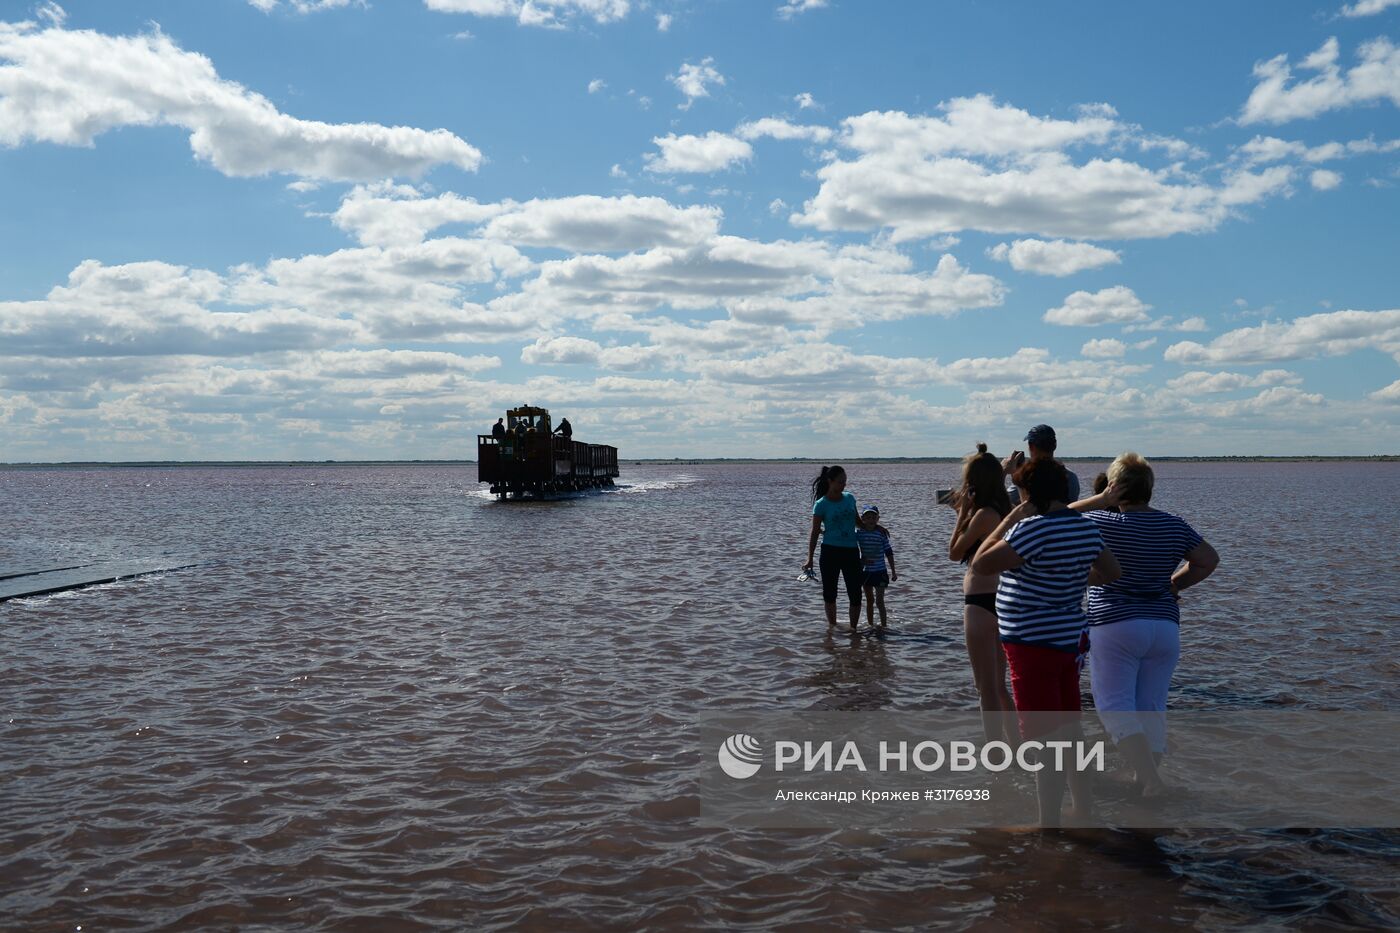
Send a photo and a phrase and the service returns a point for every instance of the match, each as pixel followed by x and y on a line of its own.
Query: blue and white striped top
pixel 874 545
pixel 1149 547
pixel 1040 602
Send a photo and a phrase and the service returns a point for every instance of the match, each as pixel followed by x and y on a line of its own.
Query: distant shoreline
pixel 638 461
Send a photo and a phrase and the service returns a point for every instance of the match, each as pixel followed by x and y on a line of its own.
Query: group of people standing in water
pixel 1031 552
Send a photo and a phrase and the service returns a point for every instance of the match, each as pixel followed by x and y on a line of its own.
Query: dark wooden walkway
pixel 17 583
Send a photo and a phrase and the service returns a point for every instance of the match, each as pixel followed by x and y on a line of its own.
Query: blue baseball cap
pixel 870 508
pixel 1042 435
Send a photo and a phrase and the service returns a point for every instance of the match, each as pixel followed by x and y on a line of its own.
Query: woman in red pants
pixel 1046 554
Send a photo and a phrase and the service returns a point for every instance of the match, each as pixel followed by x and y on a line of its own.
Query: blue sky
pixel 318 229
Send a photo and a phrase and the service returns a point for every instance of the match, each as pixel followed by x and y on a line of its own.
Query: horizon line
pixel 932 458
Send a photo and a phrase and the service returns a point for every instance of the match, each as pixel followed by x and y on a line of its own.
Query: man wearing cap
pixel 1040 441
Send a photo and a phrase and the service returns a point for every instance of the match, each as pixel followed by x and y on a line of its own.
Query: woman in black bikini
pixel 982 503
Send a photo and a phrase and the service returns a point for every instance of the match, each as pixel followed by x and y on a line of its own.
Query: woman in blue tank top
pixel 834 520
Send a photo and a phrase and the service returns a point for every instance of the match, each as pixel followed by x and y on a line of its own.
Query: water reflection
pixel 855 674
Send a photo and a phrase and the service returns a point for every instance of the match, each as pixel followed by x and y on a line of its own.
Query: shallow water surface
pixel 385 694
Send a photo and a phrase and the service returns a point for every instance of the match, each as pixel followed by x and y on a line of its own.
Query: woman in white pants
pixel 1134 622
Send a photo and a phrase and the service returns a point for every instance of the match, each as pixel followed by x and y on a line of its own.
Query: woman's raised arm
pixel 1108 499
pixel 973 530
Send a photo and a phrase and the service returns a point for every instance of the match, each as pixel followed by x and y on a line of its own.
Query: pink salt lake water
pixel 385 695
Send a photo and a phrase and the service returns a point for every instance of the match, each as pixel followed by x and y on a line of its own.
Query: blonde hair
pixel 1133 472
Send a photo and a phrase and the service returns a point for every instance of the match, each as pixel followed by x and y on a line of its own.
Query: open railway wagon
pixel 530 459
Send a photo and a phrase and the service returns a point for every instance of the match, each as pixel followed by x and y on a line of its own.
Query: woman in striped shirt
pixel 1134 621
pixel 1046 553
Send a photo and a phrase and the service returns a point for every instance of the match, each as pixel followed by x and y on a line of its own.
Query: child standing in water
pixel 874 542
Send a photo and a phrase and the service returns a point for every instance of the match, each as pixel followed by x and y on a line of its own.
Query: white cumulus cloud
pixel 1114 305
pixel 305 6
pixel 1034 366
pixel 51 13
pixel 1103 349
pixel 764 284
pixel 1331 333
pixel 1278 99
pixel 386 214
pixel 694 81
pixel 589 223
pixel 712 152
pixel 70 86
pixel 993 167
pixel 389 215
pixel 1051 197
pixel 1189 325
pixel 781 129
pixel 976 125
pixel 1250 187
pixel 566 350
pixel 1263 149
pixel 153 309
pixel 1199 382
pixel 1053 257
pixel 794 7
pixel 1325 179
pixel 546 13
pixel 1368 7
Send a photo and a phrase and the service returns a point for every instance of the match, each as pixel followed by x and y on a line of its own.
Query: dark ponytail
pixel 823 480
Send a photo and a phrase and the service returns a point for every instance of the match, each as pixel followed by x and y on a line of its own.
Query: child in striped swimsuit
pixel 877 559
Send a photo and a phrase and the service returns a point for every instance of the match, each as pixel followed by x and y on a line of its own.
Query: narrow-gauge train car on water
pixel 529 457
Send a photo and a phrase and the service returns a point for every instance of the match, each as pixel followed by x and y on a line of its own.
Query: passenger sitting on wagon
pixel 498 430
pixel 565 428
